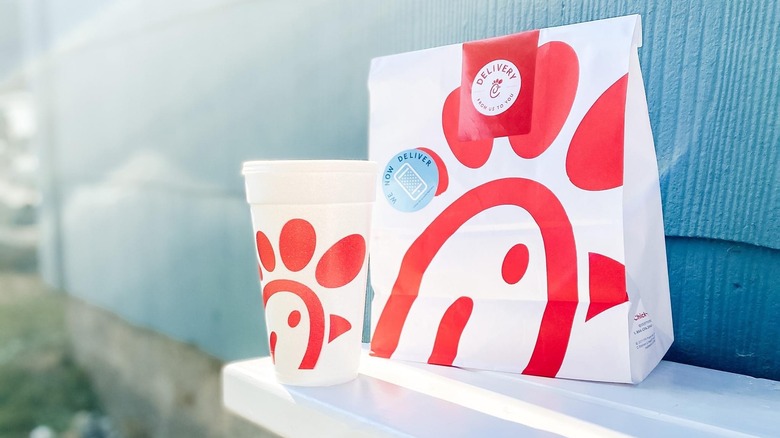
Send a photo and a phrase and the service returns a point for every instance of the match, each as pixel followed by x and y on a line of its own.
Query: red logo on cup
pixel 337 267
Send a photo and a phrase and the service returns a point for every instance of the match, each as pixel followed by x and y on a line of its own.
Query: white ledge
pixel 394 398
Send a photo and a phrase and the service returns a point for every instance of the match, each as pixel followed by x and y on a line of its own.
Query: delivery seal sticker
pixel 496 92
pixel 495 87
pixel 409 180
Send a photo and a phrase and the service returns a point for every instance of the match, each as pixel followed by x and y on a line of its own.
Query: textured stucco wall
pixel 147 109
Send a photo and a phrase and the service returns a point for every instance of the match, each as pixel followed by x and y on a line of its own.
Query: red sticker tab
pixel 497 86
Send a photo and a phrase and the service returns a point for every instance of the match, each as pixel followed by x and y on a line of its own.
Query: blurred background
pixel 127 270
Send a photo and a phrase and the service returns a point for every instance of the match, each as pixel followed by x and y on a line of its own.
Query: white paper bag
pixel 518 223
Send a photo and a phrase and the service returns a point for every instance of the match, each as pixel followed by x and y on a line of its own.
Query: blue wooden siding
pixel 149 107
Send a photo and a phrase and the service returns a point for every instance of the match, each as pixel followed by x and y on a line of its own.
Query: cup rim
pixel 308 166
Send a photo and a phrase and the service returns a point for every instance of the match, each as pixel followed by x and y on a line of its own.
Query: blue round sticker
pixel 409 180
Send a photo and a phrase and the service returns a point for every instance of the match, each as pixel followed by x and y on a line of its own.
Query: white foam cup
pixel 311 220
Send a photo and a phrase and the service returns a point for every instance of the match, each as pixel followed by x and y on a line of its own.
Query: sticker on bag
pixel 409 180
pixel 497 86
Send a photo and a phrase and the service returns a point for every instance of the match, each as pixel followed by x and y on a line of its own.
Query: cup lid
pixel 310 181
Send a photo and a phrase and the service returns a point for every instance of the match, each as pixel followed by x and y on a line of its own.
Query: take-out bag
pixel 518 223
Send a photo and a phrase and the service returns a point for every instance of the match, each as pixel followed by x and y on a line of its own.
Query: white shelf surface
pixel 394 398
